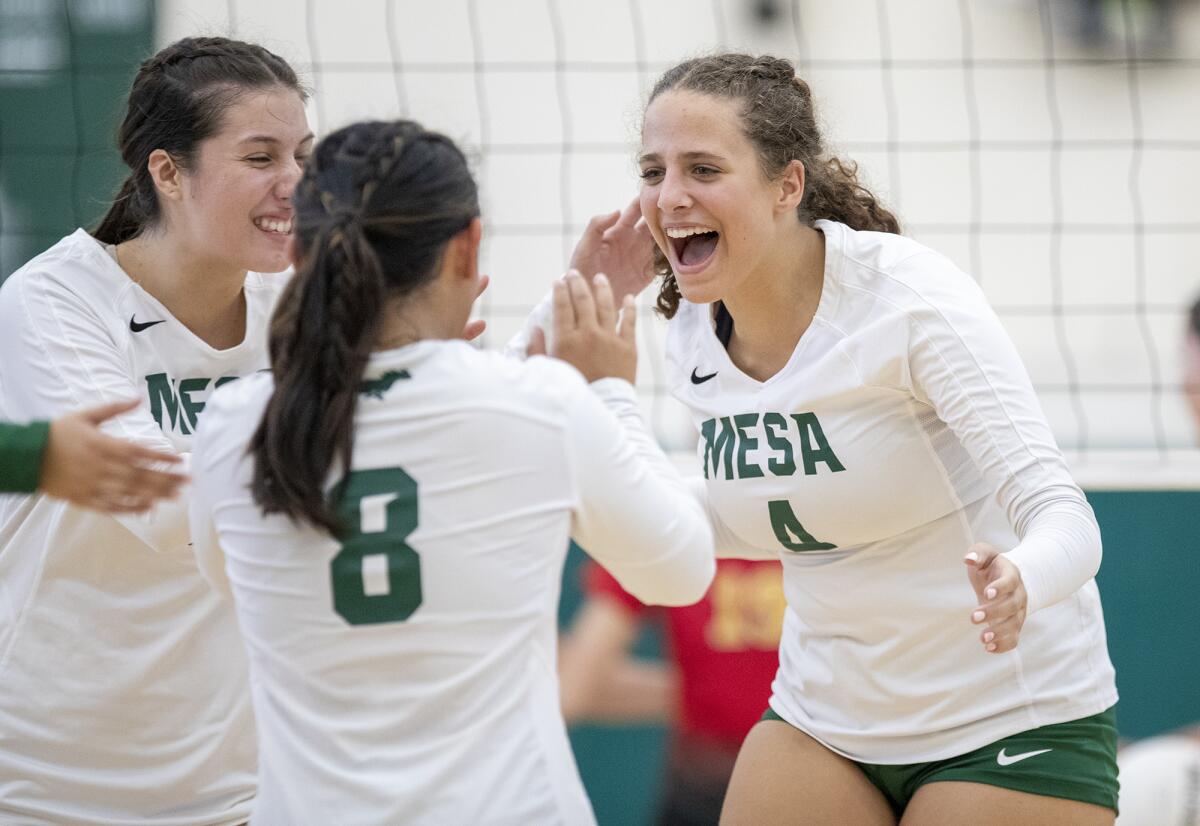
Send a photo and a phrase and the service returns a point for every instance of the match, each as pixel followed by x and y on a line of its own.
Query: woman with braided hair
pixel 864 418
pixel 390 508
pixel 123 693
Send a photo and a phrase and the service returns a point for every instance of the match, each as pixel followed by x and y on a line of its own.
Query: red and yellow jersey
pixel 724 646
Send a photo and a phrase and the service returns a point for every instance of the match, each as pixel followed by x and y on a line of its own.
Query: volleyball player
pixel 865 419
pixel 71 459
pixel 1160 775
pixel 122 680
pixel 710 688
pixel 390 509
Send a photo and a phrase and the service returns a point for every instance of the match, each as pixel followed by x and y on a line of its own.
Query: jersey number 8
pixel 377 574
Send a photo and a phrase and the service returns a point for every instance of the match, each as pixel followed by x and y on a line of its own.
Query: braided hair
pixel 375 209
pixel 779 119
pixel 177 100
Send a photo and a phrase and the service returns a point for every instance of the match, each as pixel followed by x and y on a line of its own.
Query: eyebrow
pixel 687 156
pixel 270 139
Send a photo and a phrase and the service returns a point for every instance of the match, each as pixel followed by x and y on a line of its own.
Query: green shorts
pixel 1076 760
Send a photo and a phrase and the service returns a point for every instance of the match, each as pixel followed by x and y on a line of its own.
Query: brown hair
pixel 779 120
pixel 177 100
pixel 375 209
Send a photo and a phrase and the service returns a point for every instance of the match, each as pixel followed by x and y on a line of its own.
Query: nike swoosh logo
pixel 698 379
pixel 1006 760
pixel 137 326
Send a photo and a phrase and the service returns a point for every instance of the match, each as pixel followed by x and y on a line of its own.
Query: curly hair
pixel 779 119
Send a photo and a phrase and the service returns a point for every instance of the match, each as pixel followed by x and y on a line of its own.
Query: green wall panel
pixel 65 68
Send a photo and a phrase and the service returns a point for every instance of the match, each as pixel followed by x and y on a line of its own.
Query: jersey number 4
pixel 377 574
pixel 790 532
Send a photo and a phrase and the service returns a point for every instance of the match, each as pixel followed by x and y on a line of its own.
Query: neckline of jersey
pixel 99 250
pixel 834 234
pixel 406 355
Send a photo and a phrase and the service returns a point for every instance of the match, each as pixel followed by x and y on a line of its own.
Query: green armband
pixel 21 451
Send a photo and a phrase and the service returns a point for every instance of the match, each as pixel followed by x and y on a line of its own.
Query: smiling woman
pixel 123 693
pixel 864 418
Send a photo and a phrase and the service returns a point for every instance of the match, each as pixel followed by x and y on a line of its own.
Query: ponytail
pixel 125 217
pixel 835 194
pixel 374 212
pixel 320 340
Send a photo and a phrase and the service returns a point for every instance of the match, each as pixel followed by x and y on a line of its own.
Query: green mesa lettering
pixel 172 404
pixel 730 436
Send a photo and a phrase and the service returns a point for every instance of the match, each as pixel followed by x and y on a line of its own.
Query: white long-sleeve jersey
pixel 122 678
pixel 903 429
pixel 405 672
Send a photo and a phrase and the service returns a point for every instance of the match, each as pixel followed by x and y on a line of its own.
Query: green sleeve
pixel 21 449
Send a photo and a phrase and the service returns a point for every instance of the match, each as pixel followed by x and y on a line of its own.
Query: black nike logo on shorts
pixel 138 326
pixel 697 379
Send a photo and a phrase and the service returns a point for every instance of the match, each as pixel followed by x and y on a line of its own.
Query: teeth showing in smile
pixel 693 245
pixel 271 225
pixel 684 232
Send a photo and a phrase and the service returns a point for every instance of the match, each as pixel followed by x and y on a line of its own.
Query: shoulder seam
pixel 904 260
pixel 913 321
pixel 40 336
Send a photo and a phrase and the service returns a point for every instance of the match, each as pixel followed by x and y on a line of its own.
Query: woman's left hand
pixel 587 334
pixel 619 245
pixel 1001 594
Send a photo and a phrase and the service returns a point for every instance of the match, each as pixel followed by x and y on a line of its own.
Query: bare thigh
pixel 951 803
pixel 783 776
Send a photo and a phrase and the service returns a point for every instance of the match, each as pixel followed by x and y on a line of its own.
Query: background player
pixel 1160 776
pixel 715 679
pixel 122 684
pixel 71 459
pixel 1191 364
pixel 395 535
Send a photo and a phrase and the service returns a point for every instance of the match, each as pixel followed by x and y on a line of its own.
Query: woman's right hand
pixel 93 470
pixel 586 331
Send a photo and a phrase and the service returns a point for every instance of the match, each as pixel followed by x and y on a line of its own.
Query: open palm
pixel 619 245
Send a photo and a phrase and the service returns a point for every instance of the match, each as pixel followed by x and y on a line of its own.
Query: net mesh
pixel 1060 173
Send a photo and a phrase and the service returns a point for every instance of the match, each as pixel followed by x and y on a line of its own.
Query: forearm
pixel 636 516
pixel 1060 548
pixel 21 450
pixel 638 691
pixel 598 679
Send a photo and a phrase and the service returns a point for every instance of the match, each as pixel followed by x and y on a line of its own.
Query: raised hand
pixel 1001 594
pixel 93 470
pixel 586 330
pixel 619 245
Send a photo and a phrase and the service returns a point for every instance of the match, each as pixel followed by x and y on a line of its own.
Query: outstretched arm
pixel 600 680
pixel 634 513
pixel 93 470
pixel 963 364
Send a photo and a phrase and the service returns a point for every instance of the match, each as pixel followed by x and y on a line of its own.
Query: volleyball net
pixel 1056 164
